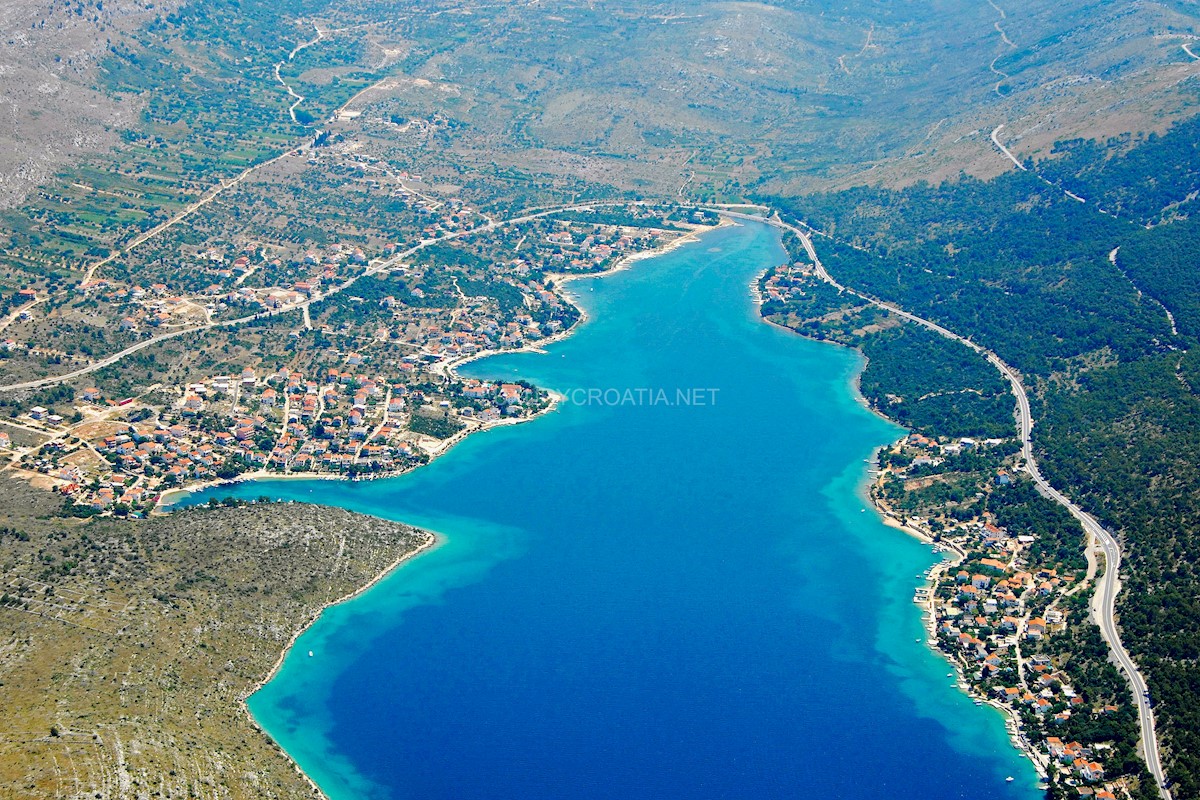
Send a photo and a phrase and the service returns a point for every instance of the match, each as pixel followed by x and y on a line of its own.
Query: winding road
pixel 1104 600
pixel 1005 150
pixel 372 269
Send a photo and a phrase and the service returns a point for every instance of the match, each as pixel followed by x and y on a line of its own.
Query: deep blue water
pixel 645 601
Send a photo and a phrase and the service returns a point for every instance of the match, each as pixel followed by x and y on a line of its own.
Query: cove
pixel 636 599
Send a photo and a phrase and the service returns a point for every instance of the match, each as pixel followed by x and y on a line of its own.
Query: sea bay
pixel 640 598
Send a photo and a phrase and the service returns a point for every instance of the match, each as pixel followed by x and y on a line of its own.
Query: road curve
pixel 1005 150
pixel 1104 601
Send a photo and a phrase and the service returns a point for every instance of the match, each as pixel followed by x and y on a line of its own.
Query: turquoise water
pixel 669 587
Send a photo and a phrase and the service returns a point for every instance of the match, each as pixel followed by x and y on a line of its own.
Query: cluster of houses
pixel 390 402
pixel 146 308
pixel 1079 760
pixel 582 252
pixel 342 421
pixel 993 617
pixel 786 283
pixel 143 308
pixel 993 613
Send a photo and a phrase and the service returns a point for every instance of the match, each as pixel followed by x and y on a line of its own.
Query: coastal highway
pixel 1104 601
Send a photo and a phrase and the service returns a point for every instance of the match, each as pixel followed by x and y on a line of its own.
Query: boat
pixel 1009 779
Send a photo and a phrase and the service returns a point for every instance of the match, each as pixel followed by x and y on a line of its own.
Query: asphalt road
pixel 1104 601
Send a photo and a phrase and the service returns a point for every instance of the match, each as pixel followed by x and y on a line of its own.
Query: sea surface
pixel 669 587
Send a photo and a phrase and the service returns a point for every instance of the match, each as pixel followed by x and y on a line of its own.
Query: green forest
pixel 1097 304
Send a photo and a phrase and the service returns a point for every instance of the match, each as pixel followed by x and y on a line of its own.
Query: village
pixel 1002 614
pixel 359 381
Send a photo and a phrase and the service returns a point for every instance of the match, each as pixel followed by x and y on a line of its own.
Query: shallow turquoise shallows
pixel 669 587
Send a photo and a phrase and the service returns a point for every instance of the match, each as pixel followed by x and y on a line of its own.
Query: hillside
pixel 187 188
pixel 126 649
pixel 1092 302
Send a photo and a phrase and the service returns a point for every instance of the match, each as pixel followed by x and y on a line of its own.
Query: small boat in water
pixel 1009 779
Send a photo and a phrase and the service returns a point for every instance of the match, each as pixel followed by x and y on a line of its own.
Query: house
pixel 91 395
pixel 476 390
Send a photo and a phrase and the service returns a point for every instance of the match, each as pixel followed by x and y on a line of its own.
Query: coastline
pixel 450 369
pixel 432 541
pixel 952 554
